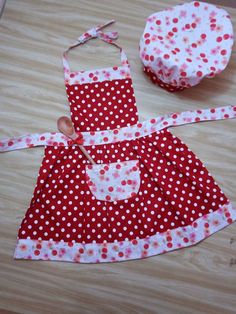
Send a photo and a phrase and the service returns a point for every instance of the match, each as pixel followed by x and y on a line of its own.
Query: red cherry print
pixel 38 246
pixel 175 20
pixel 146 35
pixel 147 57
pixel 223 52
pixel 115 68
pixel 219 39
pixel 104 250
pixel 104 256
pixel 169 245
pixel 196 4
pixel 186 240
pixel 206 225
pixel 160 37
pixel 202 55
pixel 81 250
pixel 183 73
pixel 147 41
pixel 193 25
pixel 108 198
pixel 175 29
pixel 120 254
pixel 54 252
pixel 118 166
pixel 158 22
pixel 166 56
pixel 199 73
pixel 72 75
pixel 152 58
pixel 123 182
pixel 36 252
pixel 205 60
pixel 110 189
pixel 146 246
pixel 226 36
pixel 170 34
pixel 187 26
pixel 102 171
pixel 213 110
pixel 203 36
pixel 194 45
pixel 90 75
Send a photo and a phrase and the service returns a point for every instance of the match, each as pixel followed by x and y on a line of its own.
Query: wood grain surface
pixel 198 279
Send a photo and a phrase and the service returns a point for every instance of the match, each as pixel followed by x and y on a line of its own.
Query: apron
pixel 147 194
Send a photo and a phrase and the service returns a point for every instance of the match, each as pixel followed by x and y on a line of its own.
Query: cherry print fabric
pixel 113 181
pixel 186 43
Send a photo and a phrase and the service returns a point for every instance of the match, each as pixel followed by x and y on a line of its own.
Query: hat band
pixel 156 80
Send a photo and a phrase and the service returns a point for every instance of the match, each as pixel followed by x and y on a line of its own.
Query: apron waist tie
pixel 142 128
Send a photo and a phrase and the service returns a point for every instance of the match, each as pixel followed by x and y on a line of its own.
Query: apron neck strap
pixel 95 32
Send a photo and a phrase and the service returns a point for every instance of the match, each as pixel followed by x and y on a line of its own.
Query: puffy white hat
pixel 183 44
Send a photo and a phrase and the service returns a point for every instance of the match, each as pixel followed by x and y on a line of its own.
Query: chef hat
pixel 183 44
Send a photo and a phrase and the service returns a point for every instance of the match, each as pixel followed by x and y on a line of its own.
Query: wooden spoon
pixel 65 126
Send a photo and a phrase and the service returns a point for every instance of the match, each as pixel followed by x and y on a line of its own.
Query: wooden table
pixel 198 279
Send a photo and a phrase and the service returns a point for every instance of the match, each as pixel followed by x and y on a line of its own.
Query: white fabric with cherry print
pixel 109 73
pixel 185 43
pixel 114 181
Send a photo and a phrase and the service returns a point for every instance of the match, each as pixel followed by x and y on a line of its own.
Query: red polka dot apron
pixel 147 192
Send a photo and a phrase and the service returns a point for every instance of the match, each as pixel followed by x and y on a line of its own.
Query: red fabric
pixel 176 189
pixel 102 105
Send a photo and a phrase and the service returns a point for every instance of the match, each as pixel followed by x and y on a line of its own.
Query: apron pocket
pixel 114 181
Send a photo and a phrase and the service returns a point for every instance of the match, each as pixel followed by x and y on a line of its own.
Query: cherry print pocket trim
pixel 114 181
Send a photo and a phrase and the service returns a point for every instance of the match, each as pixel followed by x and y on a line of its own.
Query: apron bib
pixel 147 194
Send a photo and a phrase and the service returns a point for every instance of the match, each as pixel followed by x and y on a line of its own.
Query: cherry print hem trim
pixel 156 244
pixel 138 130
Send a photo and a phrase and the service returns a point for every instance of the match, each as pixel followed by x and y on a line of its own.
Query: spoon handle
pixel 66 127
pixel 87 154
